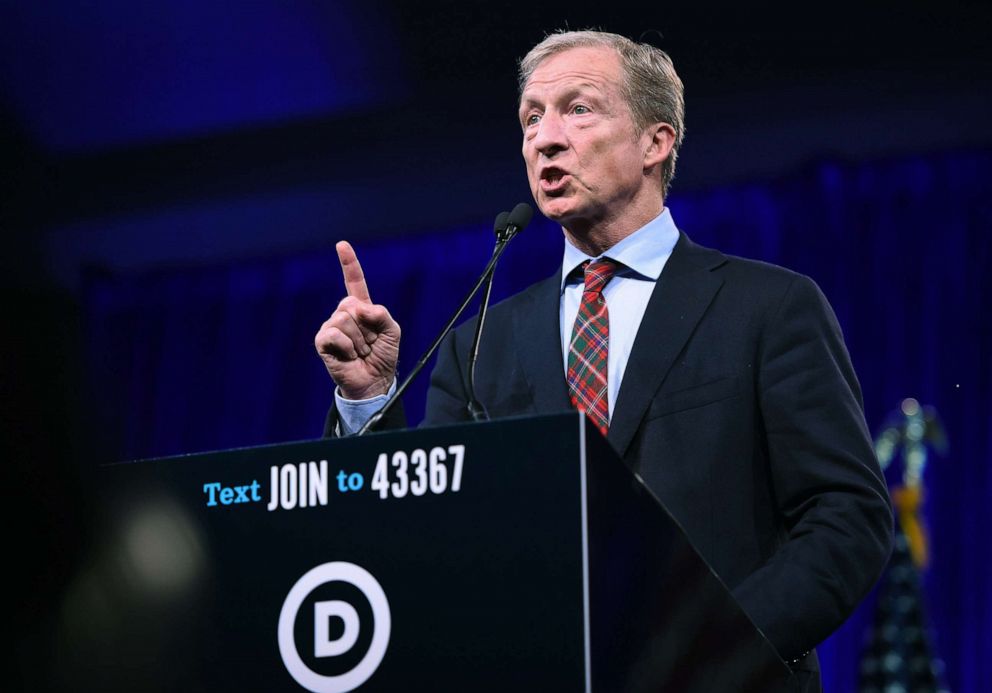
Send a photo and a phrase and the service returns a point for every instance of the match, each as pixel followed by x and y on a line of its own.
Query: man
pixel 724 383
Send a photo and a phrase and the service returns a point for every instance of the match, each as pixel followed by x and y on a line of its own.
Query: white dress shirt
pixel 642 256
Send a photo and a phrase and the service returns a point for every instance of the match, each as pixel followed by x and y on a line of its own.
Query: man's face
pixel 585 158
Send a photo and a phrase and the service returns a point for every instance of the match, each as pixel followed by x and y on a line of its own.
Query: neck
pixel 595 237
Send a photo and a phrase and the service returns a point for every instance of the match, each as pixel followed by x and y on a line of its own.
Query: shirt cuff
pixel 353 413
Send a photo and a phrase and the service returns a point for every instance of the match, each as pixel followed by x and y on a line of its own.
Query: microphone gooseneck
pixel 508 225
pixel 475 408
pixel 515 222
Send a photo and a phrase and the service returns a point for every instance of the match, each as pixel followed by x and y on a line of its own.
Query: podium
pixel 515 555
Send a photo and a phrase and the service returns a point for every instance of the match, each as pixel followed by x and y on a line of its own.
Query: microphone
pixel 499 226
pixel 508 225
pixel 515 222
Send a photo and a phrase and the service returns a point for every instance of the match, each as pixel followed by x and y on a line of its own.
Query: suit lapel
pixel 680 298
pixel 538 343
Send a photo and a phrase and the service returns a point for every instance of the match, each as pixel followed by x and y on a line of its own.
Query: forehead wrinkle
pixel 560 88
pixel 594 62
pixel 593 78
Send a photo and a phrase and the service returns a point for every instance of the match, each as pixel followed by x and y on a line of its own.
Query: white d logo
pixel 322 645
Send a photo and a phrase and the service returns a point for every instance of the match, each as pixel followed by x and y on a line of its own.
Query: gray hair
pixel 651 87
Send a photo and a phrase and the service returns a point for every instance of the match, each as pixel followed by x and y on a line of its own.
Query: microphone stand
pixel 502 241
pixel 504 233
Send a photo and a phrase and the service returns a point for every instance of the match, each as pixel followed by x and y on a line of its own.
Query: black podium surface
pixel 517 555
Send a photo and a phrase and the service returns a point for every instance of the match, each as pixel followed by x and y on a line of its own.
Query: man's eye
pixel 580 109
pixel 532 119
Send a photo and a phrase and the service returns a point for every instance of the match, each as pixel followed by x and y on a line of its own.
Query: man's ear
pixel 660 138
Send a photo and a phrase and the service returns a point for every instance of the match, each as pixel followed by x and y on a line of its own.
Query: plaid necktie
pixel 589 347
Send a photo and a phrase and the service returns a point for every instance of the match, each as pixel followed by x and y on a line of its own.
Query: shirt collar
pixel 642 253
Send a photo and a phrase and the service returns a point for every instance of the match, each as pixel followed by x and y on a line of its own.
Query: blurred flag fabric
pixel 899 656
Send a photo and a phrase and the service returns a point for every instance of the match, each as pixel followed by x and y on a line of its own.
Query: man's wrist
pixel 353 413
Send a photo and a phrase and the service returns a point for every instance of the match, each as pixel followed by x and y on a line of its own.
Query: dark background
pixel 175 176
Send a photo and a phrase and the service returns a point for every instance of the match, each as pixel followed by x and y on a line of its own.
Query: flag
pixel 898 656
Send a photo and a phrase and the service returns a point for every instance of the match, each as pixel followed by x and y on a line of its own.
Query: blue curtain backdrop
pixel 195 359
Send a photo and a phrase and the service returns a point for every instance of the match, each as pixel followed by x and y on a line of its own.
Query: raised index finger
pixel 354 278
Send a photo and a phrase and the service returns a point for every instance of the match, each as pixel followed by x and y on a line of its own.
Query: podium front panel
pixel 471 538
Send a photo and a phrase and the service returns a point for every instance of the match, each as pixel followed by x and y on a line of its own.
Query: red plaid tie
pixel 590 345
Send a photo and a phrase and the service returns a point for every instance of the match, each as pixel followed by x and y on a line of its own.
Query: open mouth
pixel 553 179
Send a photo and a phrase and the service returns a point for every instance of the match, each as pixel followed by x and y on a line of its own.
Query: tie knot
pixel 598 273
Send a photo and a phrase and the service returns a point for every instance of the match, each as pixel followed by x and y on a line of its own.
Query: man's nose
pixel 550 138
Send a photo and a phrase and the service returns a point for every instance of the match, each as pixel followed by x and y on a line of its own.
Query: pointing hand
pixel 359 344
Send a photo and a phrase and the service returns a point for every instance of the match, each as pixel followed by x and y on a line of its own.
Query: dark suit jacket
pixel 741 411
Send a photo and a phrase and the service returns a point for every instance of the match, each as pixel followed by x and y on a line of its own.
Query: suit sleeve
pixel 826 482
pixel 447 395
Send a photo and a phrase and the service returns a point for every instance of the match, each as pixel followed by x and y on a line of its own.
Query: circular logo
pixel 324 647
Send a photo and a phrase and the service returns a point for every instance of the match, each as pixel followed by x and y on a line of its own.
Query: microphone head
pixel 502 219
pixel 520 216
